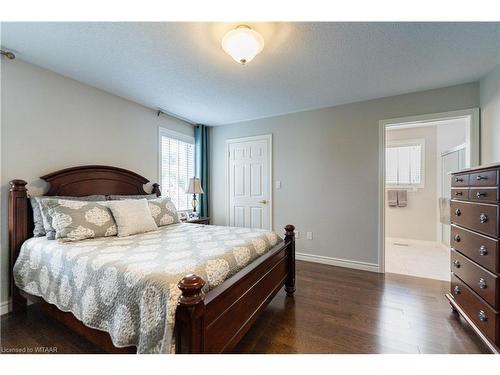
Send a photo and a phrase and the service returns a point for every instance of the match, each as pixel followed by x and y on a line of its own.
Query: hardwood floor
pixel 335 310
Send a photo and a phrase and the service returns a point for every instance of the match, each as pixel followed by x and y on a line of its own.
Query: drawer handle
pixel 458 212
pixel 456 289
pixel 483 218
pixel 479 194
pixel 482 316
pixel 456 263
pixel 459 193
pixel 479 177
pixel 482 250
pixel 459 179
pixel 482 283
pixel 456 238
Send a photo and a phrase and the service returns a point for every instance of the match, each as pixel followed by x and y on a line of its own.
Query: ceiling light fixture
pixel 243 44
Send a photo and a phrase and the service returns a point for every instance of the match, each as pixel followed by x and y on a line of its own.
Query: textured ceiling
pixel 181 67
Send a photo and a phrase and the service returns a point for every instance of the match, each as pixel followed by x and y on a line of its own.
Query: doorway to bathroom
pixel 418 155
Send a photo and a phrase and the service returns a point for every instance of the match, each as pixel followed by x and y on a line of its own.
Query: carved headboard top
pixel 96 179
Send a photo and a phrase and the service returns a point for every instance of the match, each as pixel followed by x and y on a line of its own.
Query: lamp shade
pixel 194 186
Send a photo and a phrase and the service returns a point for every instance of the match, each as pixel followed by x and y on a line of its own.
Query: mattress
pixel 127 286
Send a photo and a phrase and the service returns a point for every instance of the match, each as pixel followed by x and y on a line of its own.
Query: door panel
pixel 249 183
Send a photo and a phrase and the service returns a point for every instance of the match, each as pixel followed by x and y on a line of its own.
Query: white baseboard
pixel 4 307
pixel 364 266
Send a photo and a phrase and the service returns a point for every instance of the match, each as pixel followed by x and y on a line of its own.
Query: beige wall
pixel 417 220
pixel 51 122
pixel 490 117
pixel 327 160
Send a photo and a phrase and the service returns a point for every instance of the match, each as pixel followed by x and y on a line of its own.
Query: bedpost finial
pixel 156 189
pixel 18 185
pixel 289 230
pixel 191 287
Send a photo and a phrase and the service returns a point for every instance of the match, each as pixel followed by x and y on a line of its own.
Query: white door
pixel 249 182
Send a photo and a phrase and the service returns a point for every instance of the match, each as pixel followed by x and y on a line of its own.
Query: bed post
pixel 189 317
pixel 290 240
pixel 156 190
pixel 18 233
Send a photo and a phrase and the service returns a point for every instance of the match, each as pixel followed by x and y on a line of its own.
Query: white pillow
pixel 132 216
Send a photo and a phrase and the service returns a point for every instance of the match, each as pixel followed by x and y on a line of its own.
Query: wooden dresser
pixel 475 253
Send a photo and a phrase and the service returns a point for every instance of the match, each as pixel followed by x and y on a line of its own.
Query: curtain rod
pixel 162 112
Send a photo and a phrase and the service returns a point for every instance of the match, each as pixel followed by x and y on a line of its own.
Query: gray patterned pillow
pixel 38 230
pixel 163 211
pixel 78 220
pixel 40 214
pixel 123 197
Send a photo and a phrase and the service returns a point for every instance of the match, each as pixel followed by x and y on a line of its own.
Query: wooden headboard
pixel 73 182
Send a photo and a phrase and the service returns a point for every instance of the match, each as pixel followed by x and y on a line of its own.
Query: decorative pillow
pixel 79 220
pixel 132 216
pixel 38 230
pixel 163 211
pixel 40 213
pixel 123 197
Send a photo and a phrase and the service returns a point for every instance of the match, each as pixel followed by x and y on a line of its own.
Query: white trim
pixel 472 158
pixel 173 134
pixel 269 138
pixel 364 266
pixel 5 307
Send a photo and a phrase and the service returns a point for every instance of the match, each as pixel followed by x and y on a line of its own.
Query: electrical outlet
pixel 297 234
pixel 309 235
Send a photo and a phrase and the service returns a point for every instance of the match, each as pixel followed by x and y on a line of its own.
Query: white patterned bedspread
pixel 127 286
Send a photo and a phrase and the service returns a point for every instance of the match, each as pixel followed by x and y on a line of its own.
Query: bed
pixel 210 300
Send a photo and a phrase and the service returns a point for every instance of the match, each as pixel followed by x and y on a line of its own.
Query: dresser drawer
pixel 477 216
pixel 479 248
pixel 460 180
pixel 483 316
pixel 487 195
pixel 483 282
pixel 486 178
pixel 460 194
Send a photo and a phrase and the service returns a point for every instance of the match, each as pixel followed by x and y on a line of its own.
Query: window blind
pixel 177 167
pixel 403 165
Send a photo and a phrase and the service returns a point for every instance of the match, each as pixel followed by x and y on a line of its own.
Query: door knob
pixel 263 201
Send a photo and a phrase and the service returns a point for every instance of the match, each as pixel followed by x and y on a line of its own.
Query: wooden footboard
pixel 215 322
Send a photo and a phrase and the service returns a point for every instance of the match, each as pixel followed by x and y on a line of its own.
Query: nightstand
pixel 200 220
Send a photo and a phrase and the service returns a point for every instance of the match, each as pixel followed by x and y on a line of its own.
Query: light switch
pixel 278 184
pixel 297 234
pixel 309 235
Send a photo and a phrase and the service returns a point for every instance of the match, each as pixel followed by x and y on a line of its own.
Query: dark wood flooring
pixel 335 310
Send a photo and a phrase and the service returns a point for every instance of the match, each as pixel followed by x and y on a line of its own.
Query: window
pixel 176 166
pixel 404 163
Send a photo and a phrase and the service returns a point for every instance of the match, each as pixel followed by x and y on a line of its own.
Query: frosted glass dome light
pixel 243 44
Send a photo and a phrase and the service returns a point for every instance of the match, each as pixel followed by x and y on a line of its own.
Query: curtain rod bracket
pixel 7 54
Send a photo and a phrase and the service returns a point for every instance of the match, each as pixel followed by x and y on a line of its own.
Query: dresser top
pixel 479 168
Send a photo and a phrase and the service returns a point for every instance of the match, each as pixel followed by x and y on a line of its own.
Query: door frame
pixel 473 156
pixel 444 153
pixel 269 139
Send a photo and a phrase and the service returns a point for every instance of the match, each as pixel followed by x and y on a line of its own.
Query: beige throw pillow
pixel 132 216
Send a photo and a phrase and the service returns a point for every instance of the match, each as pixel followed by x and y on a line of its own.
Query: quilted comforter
pixel 127 286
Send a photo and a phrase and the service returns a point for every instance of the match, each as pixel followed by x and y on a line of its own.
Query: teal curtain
pixel 202 165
